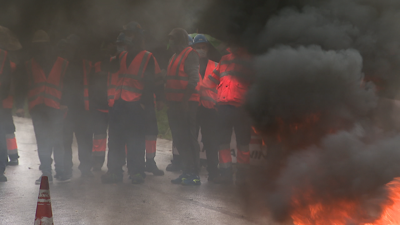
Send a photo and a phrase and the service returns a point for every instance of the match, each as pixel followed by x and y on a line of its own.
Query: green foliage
pixel 163 127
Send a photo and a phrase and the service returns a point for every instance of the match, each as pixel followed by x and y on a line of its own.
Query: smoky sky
pixel 95 20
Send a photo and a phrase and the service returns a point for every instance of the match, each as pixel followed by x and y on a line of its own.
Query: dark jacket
pixel 5 79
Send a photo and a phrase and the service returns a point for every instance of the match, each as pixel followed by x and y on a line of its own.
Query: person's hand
pixel 160 106
pixel 20 112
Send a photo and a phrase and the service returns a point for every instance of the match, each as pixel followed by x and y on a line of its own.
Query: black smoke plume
pixel 325 70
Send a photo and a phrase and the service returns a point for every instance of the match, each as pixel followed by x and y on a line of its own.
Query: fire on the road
pixel 338 214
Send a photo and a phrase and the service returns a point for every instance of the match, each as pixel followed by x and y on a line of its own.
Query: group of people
pixel 118 92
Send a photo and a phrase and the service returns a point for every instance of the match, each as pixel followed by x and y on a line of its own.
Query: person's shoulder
pixel 193 54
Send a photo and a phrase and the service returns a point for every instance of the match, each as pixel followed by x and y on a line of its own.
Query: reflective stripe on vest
pixel 177 79
pixel 46 90
pixel 8 103
pixel 208 96
pixel 234 73
pixel 130 84
pixel 87 66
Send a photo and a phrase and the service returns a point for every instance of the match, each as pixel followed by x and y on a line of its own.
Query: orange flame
pixel 391 214
pixel 339 214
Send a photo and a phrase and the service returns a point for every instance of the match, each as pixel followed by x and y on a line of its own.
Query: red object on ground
pixel 44 215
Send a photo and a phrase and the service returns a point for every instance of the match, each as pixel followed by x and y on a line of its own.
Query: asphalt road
pixel 82 201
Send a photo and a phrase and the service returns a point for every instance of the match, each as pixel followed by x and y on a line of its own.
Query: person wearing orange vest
pixel 102 94
pixel 78 119
pixel 175 164
pixel 43 84
pixel 232 77
pixel 207 114
pixel 182 95
pixel 8 104
pixel 5 84
pixel 137 68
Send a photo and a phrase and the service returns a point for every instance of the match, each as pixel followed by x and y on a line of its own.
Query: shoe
pixel 111 178
pixel 173 168
pixel 13 160
pixel 192 180
pixel 59 175
pixel 63 178
pixel 180 179
pixel 3 178
pixel 50 178
pixel 87 174
pixel 151 167
pixel 137 178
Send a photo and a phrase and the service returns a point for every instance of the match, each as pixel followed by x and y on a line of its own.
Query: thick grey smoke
pixel 309 87
pixel 342 173
pixel 312 88
pixel 371 27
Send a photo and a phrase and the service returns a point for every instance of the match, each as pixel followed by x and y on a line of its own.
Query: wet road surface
pixel 84 201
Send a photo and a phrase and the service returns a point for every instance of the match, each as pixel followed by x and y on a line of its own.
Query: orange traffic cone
pixel 44 215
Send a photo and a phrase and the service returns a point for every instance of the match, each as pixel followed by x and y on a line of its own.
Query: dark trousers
pixel 8 121
pixel 3 142
pixel 78 122
pixel 231 117
pixel 9 127
pixel 184 132
pixel 48 126
pixel 151 121
pixel 126 128
pixel 99 126
pixel 151 132
pixel 207 121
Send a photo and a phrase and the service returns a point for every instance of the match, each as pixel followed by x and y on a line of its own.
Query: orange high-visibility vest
pixel 208 96
pixel 177 79
pixel 130 82
pixel 87 67
pixel 229 76
pixel 46 90
pixel 8 103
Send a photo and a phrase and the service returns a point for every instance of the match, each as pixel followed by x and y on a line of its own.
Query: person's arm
pixel 21 86
pixel 148 83
pixel 5 79
pixel 192 65
pixel 159 83
pixel 112 65
pixel 66 97
pixel 211 80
